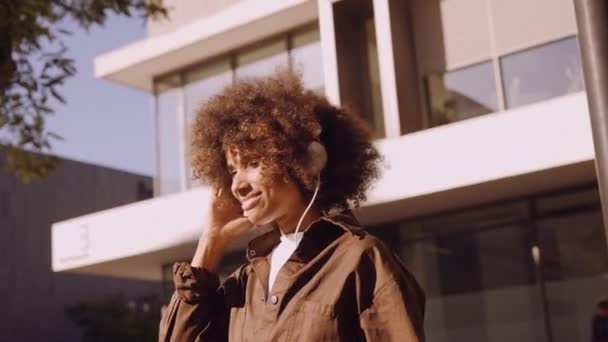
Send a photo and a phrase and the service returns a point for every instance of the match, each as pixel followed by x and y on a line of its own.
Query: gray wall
pixel 32 296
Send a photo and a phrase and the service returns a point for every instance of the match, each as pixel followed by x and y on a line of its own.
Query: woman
pixel 282 156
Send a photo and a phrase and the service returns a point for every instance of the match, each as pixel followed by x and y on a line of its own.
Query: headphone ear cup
pixel 317 157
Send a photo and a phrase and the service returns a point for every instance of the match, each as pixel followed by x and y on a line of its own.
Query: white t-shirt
pixel 281 254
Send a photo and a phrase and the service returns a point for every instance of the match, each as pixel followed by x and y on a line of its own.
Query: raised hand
pixel 225 223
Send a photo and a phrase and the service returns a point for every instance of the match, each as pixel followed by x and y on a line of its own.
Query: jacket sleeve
pixel 395 308
pixel 197 310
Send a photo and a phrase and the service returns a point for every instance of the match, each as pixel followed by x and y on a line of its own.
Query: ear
pixel 317 157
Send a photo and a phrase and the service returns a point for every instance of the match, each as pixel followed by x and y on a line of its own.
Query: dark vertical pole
pixel 592 22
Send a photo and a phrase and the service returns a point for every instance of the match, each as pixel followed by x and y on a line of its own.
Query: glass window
pixel 505 256
pixel 542 73
pixel 480 284
pixel 573 246
pixel 567 201
pixel 461 94
pixel 306 58
pixel 169 135
pixel 357 57
pixel 373 69
pixel 480 218
pixel 483 282
pixel 575 266
pixel 262 60
pixel 204 82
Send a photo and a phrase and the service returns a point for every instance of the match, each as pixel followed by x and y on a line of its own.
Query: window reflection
pixel 373 69
pixel 575 268
pixel 587 199
pixel 479 283
pixel 573 246
pixel 306 58
pixel 204 82
pixel 208 79
pixel 478 271
pixel 461 94
pixel 542 73
pixel 357 62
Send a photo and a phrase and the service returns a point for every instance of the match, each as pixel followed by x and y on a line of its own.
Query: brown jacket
pixel 340 284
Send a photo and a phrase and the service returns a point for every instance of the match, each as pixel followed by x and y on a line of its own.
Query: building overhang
pixel 507 154
pixel 137 64
pixel 530 149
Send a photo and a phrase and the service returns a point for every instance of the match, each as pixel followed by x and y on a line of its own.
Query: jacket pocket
pixel 314 322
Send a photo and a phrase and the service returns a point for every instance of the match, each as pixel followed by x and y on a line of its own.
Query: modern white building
pixel 478 107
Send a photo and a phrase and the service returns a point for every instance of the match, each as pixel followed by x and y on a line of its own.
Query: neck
pixel 287 224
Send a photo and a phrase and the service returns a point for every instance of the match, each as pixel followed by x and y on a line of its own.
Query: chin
pixel 258 218
pixel 254 217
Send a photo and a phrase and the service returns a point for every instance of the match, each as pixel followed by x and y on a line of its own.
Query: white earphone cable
pixel 312 200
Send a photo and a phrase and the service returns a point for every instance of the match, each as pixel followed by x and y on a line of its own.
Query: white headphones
pixel 317 159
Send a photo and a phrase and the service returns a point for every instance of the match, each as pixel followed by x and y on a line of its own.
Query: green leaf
pixel 55 136
pixel 65 32
pixel 57 96
pixel 17 119
pixel 38 122
pixel 36 39
pixel 45 109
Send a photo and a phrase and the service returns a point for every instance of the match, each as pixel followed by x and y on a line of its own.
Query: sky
pixel 104 123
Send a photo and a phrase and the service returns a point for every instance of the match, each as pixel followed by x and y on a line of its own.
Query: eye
pixel 253 164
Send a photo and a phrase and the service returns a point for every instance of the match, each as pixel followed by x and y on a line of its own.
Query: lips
pixel 251 201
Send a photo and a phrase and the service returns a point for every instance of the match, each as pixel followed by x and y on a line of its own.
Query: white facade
pixel 415 183
pixel 553 135
pixel 472 102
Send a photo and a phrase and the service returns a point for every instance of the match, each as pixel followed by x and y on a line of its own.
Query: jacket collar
pixel 318 235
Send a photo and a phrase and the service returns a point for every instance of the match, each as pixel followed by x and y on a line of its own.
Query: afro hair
pixel 274 120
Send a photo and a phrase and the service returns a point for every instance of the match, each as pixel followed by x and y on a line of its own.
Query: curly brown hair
pixel 273 120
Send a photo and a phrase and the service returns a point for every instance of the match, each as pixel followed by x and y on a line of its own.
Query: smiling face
pixel 264 199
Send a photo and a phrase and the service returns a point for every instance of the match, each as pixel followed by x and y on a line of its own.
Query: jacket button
pixel 252 252
pixel 274 299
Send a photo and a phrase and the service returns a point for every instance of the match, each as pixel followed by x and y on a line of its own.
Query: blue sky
pixel 103 122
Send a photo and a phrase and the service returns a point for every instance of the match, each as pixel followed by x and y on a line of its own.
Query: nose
pixel 240 187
